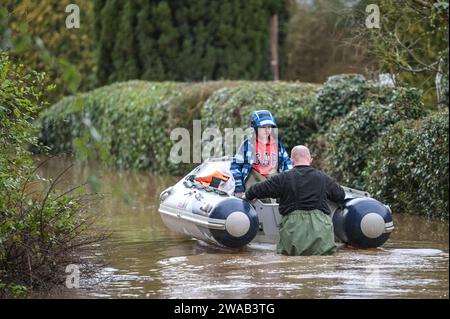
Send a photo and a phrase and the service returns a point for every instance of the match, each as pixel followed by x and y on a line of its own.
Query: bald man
pixel 306 227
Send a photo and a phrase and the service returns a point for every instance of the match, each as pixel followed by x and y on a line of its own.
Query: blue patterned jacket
pixel 245 156
pixel 244 159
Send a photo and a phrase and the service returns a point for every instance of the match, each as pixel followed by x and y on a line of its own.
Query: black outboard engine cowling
pixel 363 223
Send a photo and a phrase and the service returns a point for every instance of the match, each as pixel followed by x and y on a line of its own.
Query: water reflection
pixel 146 260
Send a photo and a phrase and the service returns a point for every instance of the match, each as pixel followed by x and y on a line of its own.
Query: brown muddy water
pixel 146 260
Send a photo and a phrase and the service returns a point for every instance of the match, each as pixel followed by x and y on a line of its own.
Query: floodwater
pixel 146 260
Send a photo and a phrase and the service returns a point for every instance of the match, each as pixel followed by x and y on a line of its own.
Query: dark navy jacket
pixel 301 188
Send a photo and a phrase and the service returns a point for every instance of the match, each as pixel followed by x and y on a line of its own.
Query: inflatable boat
pixel 209 212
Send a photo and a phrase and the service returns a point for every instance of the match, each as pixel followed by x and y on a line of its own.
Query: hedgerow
pixel 343 93
pixel 292 105
pixel 123 122
pixel 129 123
pixel 349 141
pixel 408 166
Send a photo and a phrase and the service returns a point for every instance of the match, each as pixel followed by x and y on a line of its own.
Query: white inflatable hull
pixel 218 218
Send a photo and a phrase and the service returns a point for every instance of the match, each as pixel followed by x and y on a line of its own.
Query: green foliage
pixel 185 40
pixel 20 101
pixel 290 103
pixel 35 33
pixel 408 167
pixel 412 39
pixel 343 93
pixel 338 96
pixel 13 290
pixel 350 140
pixel 129 124
pixel 40 231
pixel 132 121
pixel 125 46
pixel 126 118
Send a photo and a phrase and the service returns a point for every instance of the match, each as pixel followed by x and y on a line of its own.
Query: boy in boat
pixel 261 156
pixel 306 227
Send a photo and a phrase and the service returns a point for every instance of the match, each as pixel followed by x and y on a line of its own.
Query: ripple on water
pixel 149 261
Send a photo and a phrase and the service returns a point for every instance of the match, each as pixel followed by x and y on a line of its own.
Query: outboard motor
pixel 363 223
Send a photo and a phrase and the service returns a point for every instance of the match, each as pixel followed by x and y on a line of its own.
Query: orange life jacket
pixel 213 180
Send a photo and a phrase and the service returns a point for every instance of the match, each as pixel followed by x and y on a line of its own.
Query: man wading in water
pixel 306 227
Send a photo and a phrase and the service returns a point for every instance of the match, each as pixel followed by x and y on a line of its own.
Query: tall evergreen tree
pixel 149 57
pixel 185 40
pixel 167 38
pixel 109 28
pixel 98 6
pixel 125 56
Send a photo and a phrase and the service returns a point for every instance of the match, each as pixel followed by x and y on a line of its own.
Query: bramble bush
pixel 408 166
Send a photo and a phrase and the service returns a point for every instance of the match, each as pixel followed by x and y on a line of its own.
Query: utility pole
pixel 274 46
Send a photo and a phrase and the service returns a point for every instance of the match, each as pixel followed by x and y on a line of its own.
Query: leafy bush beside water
pixel 349 141
pixel 41 232
pixel 408 168
pixel 129 123
pixel 291 104
pixel 126 118
pixel 338 96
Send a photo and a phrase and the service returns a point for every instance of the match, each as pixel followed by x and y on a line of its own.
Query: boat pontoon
pixel 214 215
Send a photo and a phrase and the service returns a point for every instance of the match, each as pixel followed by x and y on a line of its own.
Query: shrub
pixel 126 123
pixel 350 140
pixel 290 103
pixel 41 232
pixel 408 167
pixel 130 123
pixel 38 37
pixel 345 92
pixel 339 95
pixel 126 119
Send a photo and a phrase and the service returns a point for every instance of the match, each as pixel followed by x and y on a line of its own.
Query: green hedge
pixel 338 96
pixel 129 123
pixel 408 168
pixel 349 141
pixel 343 93
pixel 292 104
pixel 123 119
